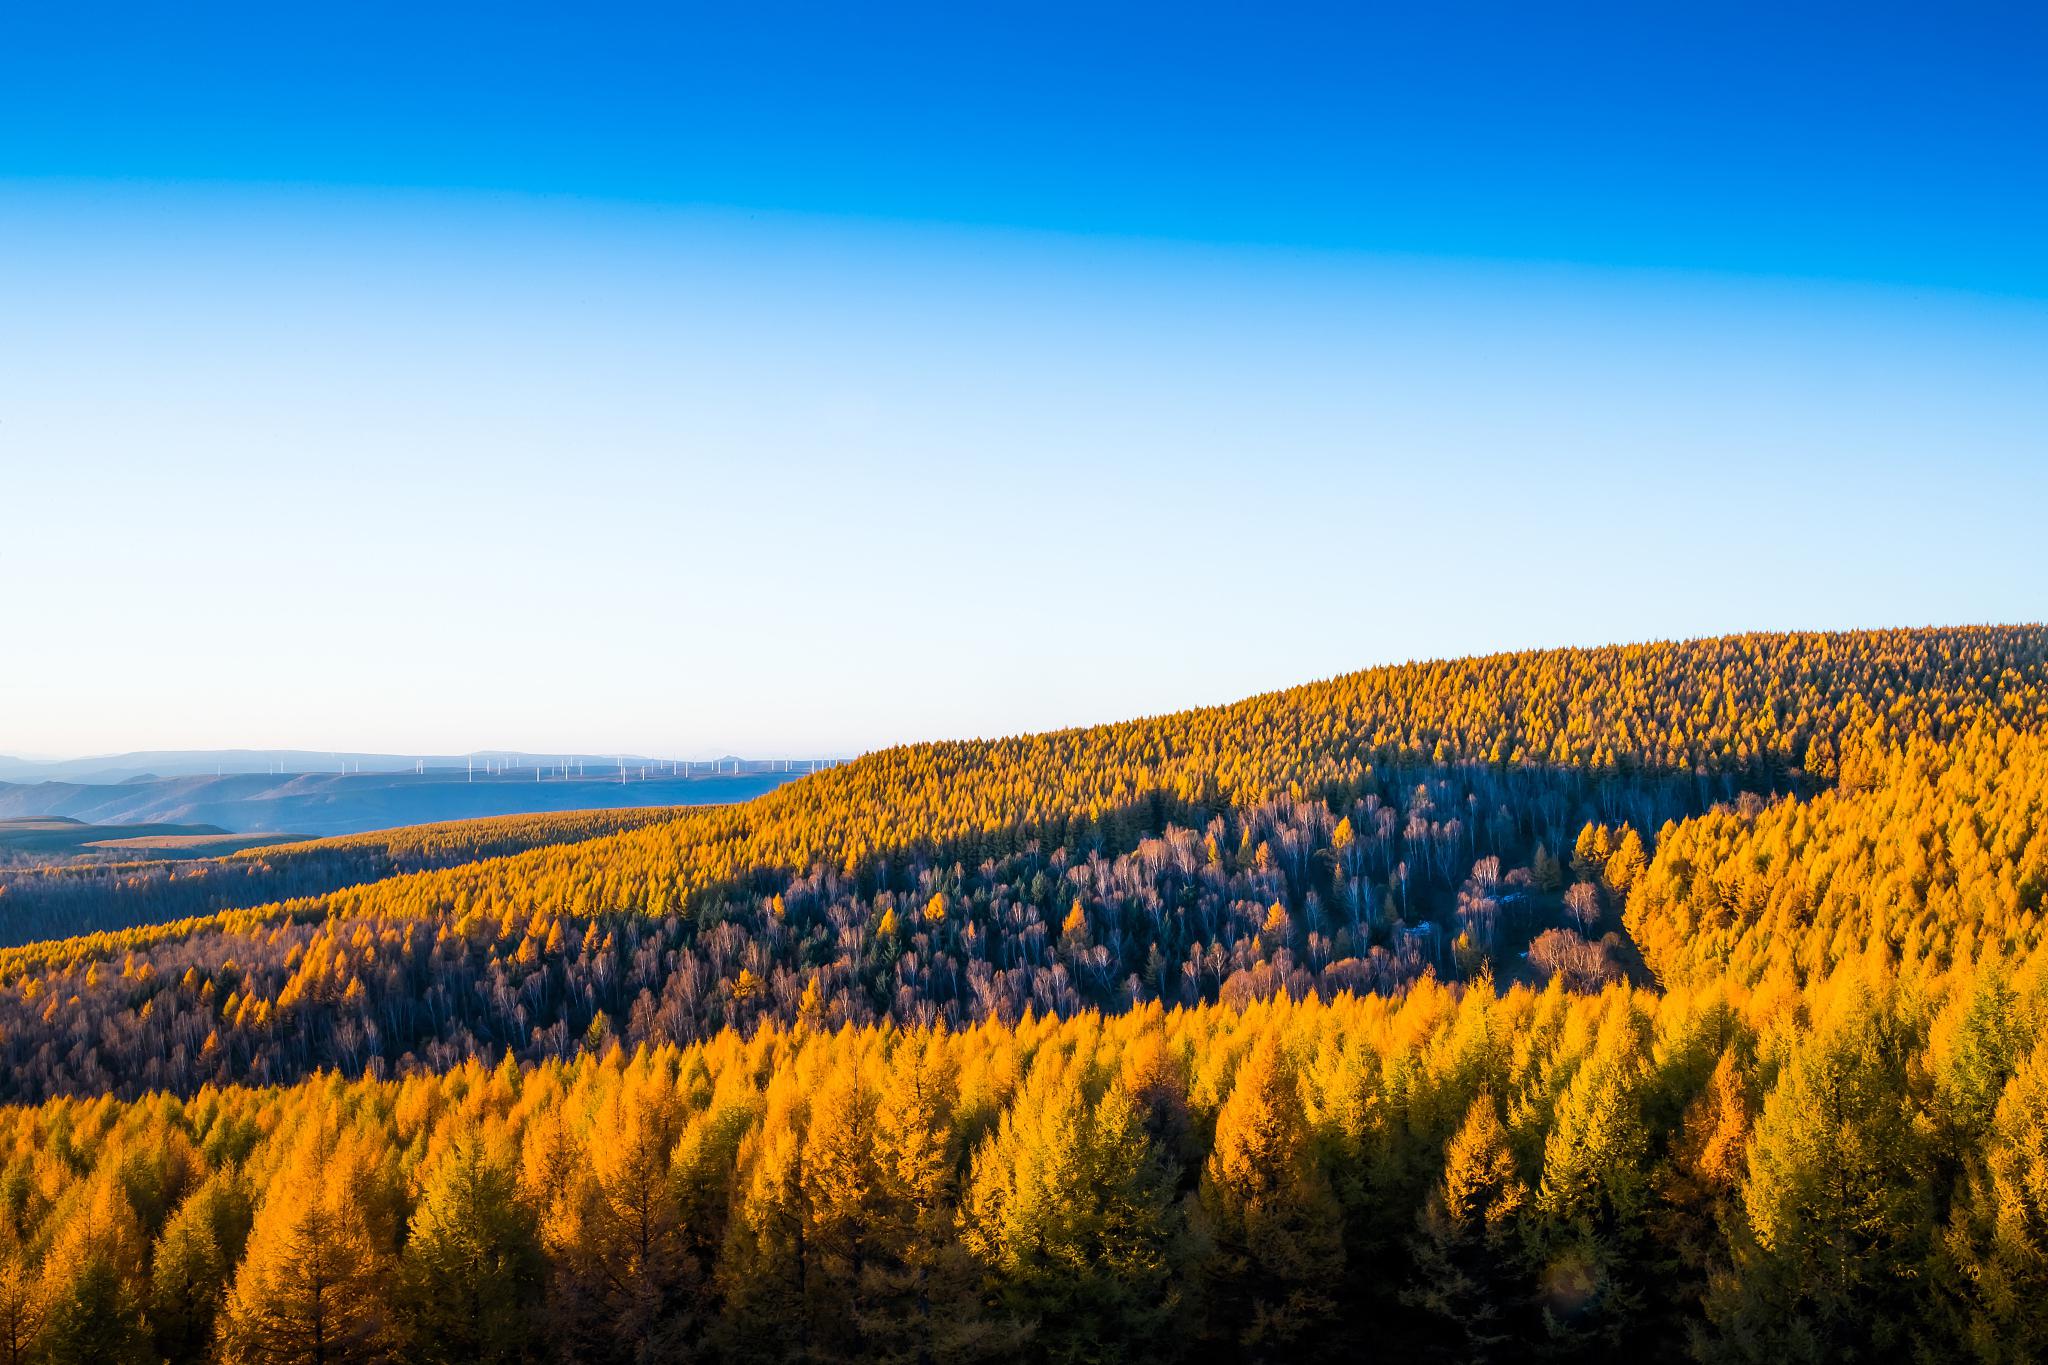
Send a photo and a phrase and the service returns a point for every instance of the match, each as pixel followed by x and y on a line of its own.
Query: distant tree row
pixel 43 901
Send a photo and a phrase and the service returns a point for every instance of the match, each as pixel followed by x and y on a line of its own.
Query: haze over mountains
pixel 220 762
pixel 257 791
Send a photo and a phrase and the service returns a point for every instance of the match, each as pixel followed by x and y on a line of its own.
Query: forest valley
pixel 1667 999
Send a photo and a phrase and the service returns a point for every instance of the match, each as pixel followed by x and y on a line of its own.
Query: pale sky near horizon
pixel 298 454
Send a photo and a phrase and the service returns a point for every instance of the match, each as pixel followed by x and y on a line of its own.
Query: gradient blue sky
pixel 802 379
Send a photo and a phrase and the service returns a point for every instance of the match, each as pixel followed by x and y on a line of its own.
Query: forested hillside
pixel 87 896
pixel 1934 856
pixel 1665 998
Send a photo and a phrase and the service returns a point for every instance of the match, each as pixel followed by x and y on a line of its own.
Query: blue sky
pixel 798 379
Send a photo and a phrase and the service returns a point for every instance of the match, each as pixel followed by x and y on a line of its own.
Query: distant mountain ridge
pixel 316 804
pixel 154 763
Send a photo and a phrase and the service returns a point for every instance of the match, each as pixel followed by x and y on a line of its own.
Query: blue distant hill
pixel 153 763
pixel 326 803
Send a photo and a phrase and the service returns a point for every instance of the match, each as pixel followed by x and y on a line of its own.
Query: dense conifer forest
pixel 1650 1001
